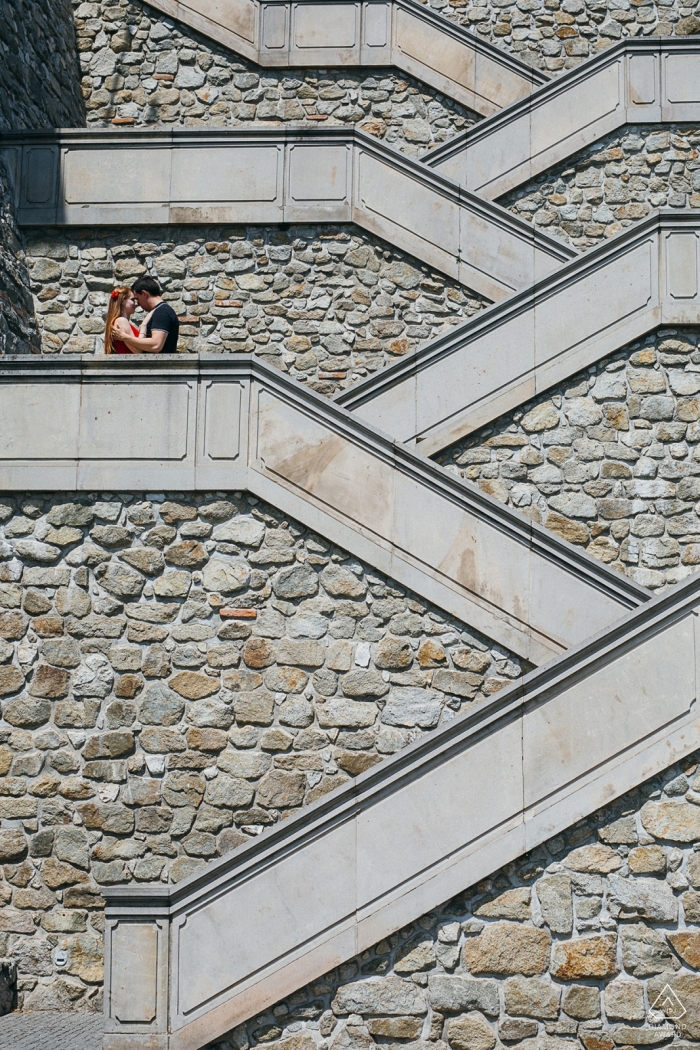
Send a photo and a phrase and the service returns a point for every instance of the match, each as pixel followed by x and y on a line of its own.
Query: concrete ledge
pixel 618 291
pixel 570 737
pixel 272 175
pixel 230 423
pixel 633 82
pixel 352 33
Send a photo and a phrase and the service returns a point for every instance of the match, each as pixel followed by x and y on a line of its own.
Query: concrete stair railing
pixel 184 964
pixel 198 424
pixel 633 82
pixel 509 353
pixel 355 33
pixel 273 175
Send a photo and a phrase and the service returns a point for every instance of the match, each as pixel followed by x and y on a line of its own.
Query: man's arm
pixel 152 345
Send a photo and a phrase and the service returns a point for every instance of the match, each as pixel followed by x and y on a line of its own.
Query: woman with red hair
pixel 122 303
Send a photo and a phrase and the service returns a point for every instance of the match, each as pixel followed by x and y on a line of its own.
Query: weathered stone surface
pixel 512 1030
pixel 470 1032
pixel 229 792
pixel 624 1000
pixel 395 1027
pixel 393 654
pixel 11 680
pixel 280 790
pixel 120 580
pixel 226 576
pixel 412 707
pixel 456 994
pixel 27 711
pixel 389 995
pixel 602 859
pixel 647 860
pixel 298 582
pixel 686 987
pixel 340 582
pixel 554 895
pixel 145 559
pixel 672 820
pixel 645 951
pixel 13 845
pixel 687 947
pixel 187 555
pixel 586 957
pixel 644 898
pixel 507 948
pixel 362 683
pixel 532 997
pixel 415 956
pixel 513 904
pixel 301 653
pixel 160 705
pixel 254 708
pixel 582 1002
pixel 194 686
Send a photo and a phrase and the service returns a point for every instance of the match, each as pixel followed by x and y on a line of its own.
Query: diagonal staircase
pixel 379 853
pixel 591 722
pixel 271 175
pixel 507 354
pixel 213 423
pixel 566 747
pixel 401 33
pixel 637 81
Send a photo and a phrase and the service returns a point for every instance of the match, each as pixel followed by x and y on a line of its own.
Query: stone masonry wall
pixel 177 674
pixel 609 460
pixel 568 948
pixel 18 328
pixel 613 184
pixel 39 68
pixel 559 34
pixel 142 68
pixel 324 303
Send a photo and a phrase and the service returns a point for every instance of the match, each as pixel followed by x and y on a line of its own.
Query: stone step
pixel 376 854
pixel 273 175
pixel 51 1030
pixel 615 293
pixel 355 33
pixel 639 81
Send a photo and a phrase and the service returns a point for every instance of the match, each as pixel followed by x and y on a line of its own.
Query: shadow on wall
pixel 39 88
pixel 19 333
pixel 39 66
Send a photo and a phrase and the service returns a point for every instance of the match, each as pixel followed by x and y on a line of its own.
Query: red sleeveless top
pixel 118 347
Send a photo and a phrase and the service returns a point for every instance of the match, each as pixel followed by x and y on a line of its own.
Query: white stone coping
pixel 204 424
pixel 379 852
pixel 472 374
pixel 272 175
pixel 356 33
pixel 636 81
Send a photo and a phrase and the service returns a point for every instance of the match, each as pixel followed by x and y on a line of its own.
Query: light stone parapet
pixel 209 424
pixel 509 353
pixel 329 883
pixel 274 175
pixel 633 82
pixel 357 33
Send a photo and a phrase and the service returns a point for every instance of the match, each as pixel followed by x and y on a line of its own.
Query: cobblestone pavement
pixel 51 1030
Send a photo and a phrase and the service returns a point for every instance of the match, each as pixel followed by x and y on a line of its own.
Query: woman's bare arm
pixel 122 329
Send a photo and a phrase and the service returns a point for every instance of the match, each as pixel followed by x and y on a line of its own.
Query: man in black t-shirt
pixel 162 326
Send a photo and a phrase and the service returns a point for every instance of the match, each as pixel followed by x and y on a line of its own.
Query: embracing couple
pixel 159 329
